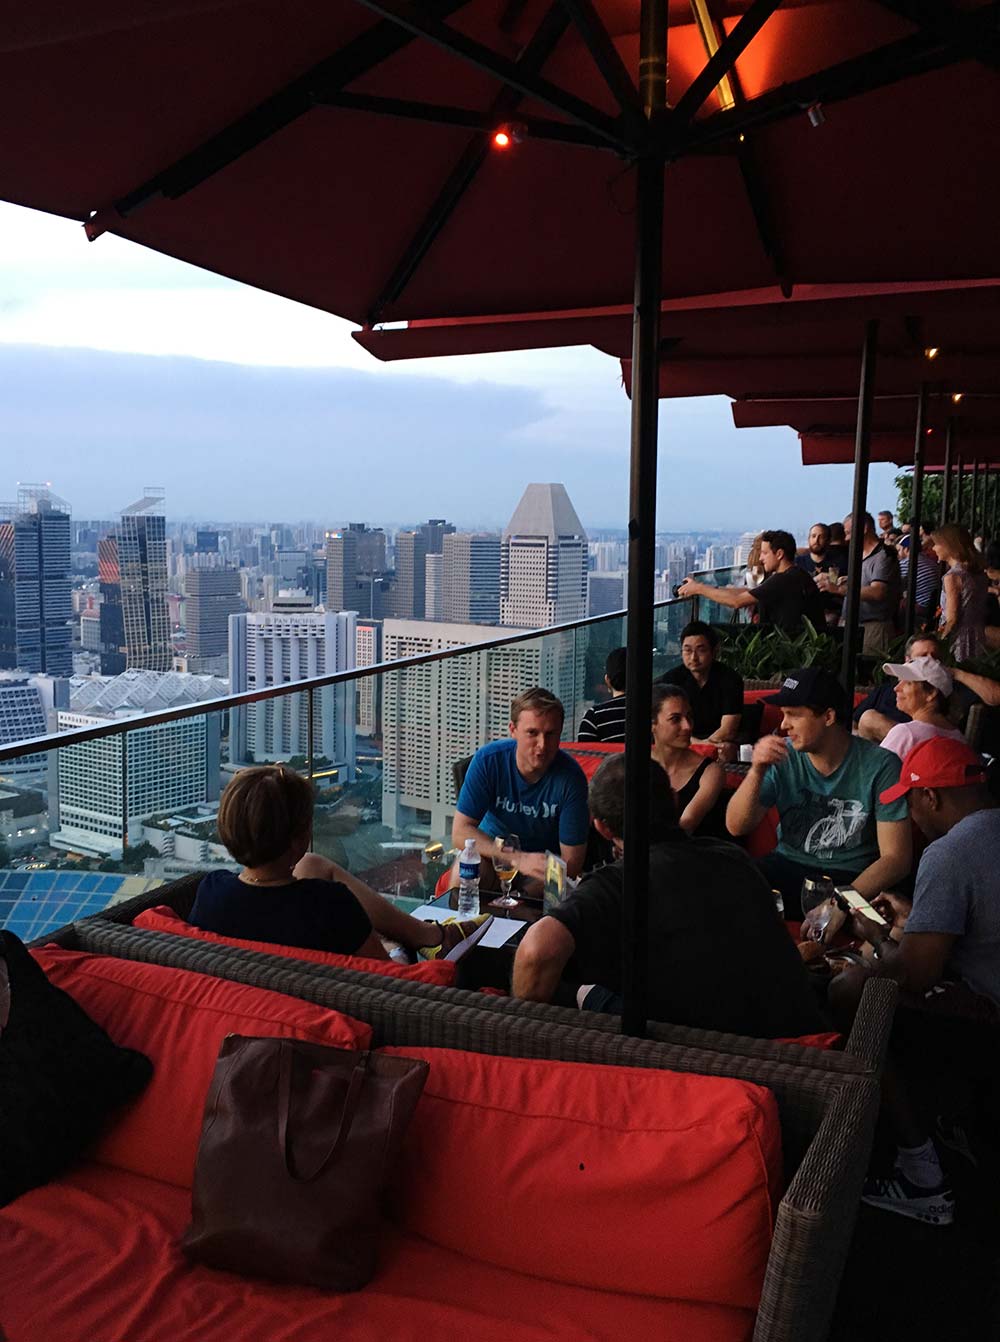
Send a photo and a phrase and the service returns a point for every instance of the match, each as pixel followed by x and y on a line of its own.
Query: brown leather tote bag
pixel 297 1144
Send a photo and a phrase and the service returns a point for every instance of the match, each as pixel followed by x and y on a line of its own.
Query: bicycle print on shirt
pixel 823 826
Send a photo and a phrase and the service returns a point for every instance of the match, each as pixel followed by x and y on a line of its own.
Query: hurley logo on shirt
pixel 544 810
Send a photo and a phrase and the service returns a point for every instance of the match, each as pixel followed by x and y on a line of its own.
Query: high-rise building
pixel 142 564
pixel 206 542
pixel 434 587
pixel 606 593
pixel 278 648
pixel 212 595
pixel 434 532
pixel 112 621
pixel 470 578
pixel 86 799
pixel 407 599
pixel 35 584
pixel 369 653
pixel 439 712
pixel 543 574
pixel 22 716
pixel 355 566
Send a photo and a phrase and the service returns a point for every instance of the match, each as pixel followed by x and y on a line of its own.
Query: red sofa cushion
pixel 95 1256
pixel 620 1178
pixel 179 1019
pixel 164 919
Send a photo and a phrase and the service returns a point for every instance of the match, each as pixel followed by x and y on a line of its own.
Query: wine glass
pixel 506 859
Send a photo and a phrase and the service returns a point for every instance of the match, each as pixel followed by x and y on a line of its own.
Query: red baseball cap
pixel 942 761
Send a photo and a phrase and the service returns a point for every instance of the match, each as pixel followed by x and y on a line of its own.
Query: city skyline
pixel 111 355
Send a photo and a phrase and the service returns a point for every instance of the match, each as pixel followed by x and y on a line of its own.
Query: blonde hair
pixel 262 811
pixel 536 700
pixel 959 544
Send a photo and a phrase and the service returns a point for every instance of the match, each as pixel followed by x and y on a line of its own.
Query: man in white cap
pixel 923 690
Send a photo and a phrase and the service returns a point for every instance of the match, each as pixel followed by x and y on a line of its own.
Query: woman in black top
pixel 286 894
pixel 697 781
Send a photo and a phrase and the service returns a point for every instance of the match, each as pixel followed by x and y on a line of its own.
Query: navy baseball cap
pixel 810 687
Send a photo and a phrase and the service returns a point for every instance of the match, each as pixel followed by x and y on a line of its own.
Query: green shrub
pixel 763 652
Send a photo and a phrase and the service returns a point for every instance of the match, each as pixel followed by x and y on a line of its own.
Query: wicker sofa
pixel 862 1050
pixel 826 1104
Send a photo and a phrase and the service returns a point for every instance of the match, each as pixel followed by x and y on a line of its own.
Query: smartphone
pixel 858 904
pixel 555 881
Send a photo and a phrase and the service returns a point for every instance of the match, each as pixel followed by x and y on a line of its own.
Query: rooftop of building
pixel 145 691
pixel 545 510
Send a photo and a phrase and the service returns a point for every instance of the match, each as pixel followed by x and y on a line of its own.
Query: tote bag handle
pixel 285 1067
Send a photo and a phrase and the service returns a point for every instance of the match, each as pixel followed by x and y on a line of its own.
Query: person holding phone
pixel 943 948
pixel 826 786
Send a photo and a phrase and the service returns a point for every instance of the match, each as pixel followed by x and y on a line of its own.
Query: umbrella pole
pixel 946 478
pixel 862 456
pixel 974 503
pixel 993 505
pixel 642 523
pixel 916 507
pixel 959 484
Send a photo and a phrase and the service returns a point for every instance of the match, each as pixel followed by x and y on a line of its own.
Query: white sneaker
pixel 936 1206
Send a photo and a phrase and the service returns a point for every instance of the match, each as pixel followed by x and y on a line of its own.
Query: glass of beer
pixel 505 863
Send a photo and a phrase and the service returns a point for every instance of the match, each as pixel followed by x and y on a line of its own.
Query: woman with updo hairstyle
pixel 287 895
pixel 965 591
pixel 697 780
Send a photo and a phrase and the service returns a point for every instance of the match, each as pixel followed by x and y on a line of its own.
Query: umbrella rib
pixel 533 57
pixel 357 58
pixel 605 54
pixel 731 48
pixel 537 128
pixel 939 21
pixel 508 72
pixel 905 58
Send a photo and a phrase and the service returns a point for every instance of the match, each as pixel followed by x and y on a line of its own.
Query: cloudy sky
pixel 120 368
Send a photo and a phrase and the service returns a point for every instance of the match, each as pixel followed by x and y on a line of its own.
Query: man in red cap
pixel 943 948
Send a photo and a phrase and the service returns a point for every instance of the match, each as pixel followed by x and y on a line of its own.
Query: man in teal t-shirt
pixel 825 785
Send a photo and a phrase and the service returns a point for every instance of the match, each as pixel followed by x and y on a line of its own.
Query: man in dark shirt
pixel 719 955
pixel 606 721
pixel 714 690
pixel 784 598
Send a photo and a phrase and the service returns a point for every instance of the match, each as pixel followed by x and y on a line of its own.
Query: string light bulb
pixel 508 135
pixel 956 396
pixel 931 352
pixel 501 139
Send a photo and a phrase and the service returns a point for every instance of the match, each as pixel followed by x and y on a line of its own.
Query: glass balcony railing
pixel 94 815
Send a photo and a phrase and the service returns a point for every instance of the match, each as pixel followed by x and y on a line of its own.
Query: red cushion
pixel 829 1040
pixel 179 1019
pixel 95 1256
pixel 164 919
pixel 620 1178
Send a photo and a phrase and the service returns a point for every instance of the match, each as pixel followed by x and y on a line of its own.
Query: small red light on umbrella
pixel 501 139
pixel 929 432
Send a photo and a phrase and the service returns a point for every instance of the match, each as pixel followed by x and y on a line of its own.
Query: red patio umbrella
pixel 339 154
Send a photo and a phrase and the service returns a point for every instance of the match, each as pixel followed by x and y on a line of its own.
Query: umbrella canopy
pixel 339 153
pixel 970 416
pixel 825 449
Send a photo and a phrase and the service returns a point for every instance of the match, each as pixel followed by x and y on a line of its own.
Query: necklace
pixel 257 880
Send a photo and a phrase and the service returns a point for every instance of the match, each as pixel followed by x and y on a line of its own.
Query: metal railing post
pixel 124 772
pixel 862 453
pixel 916 510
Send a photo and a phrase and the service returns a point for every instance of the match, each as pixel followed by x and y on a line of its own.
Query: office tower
pixel 86 800
pixel 112 620
pixel 434 587
pixel 543 561
pixel 288 599
pixel 342 569
pixel 606 593
pixel 407 599
pixel 355 568
pixel 470 578
pixel 22 716
pixel 434 532
pixel 35 584
pixel 743 547
pixel 680 563
pixel 439 712
pixel 277 648
pixel 212 595
pixel 142 564
pixel 368 653
pixel 206 542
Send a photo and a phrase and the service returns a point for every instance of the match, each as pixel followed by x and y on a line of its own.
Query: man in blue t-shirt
pixel 529 787
pixel 826 786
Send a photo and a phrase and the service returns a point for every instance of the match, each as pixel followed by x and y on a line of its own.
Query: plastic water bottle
pixel 468 881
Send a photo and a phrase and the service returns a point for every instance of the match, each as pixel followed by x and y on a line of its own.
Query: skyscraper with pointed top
pixel 543 561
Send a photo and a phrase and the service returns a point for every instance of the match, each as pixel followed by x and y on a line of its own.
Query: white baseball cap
pixel 927 669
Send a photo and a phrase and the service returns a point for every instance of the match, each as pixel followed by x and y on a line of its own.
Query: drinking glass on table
pixel 506 860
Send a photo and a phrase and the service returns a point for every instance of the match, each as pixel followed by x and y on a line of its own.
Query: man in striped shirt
pixel 606 721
